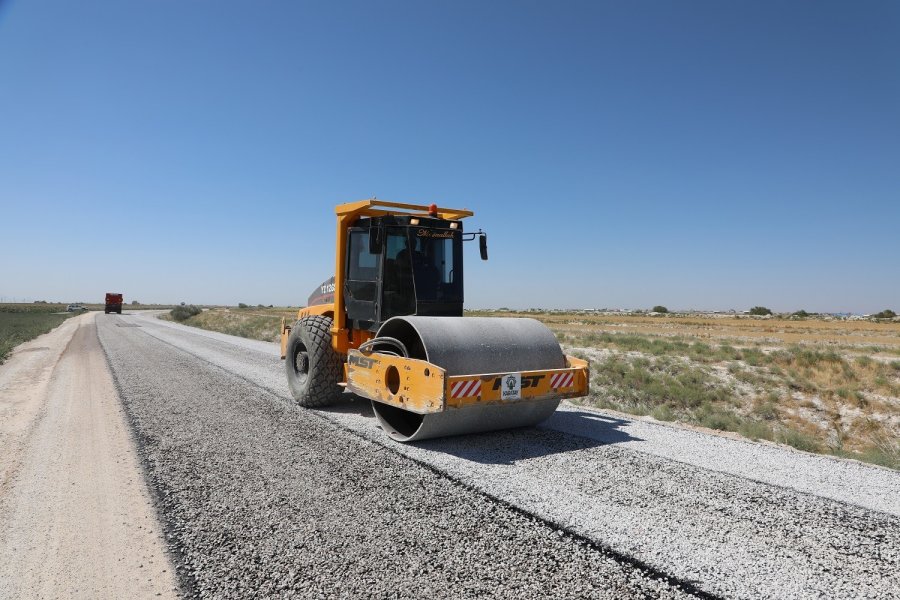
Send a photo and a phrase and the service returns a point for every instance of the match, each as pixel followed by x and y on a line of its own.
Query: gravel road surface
pixel 76 518
pixel 260 495
pixel 263 498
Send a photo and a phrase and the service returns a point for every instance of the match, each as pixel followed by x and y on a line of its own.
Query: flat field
pixel 22 322
pixel 256 323
pixel 826 386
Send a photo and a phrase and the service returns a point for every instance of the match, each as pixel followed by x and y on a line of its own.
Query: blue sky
pixel 620 154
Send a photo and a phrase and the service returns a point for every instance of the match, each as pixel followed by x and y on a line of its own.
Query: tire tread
pixel 326 365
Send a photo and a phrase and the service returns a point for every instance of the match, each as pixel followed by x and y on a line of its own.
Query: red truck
pixel 113 303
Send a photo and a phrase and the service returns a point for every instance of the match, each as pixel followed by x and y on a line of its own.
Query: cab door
pixel 398 288
pixel 362 279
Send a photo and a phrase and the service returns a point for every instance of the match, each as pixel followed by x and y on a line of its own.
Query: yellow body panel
pixel 285 332
pixel 421 387
pixel 489 388
pixel 410 384
pixel 316 309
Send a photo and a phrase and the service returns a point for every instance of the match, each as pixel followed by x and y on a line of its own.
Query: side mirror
pixel 482 246
pixel 375 240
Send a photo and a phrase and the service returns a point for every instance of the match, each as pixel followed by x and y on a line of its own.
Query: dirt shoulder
pixel 76 519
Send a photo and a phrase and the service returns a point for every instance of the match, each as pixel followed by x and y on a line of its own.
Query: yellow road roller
pixel 389 327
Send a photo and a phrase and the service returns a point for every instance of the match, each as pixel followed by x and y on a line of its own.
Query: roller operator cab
pixel 389 326
pixel 398 266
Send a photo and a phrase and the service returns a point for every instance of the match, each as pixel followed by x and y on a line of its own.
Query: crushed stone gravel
pixel 262 499
pixel 682 502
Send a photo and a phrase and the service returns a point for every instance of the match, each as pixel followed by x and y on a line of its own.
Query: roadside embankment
pixel 76 519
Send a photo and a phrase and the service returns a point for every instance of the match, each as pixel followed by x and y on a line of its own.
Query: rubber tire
pixel 324 366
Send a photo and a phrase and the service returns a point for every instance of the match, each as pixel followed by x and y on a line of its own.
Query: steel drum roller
pixel 465 346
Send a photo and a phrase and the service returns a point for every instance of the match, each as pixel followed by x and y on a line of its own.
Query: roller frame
pixel 425 388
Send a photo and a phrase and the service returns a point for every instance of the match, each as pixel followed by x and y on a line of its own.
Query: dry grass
pixel 738 329
pixel 254 323
pixel 821 386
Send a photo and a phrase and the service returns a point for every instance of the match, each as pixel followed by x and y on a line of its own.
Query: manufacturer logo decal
pixel 361 361
pixel 512 386
pixel 433 233
pixel 524 381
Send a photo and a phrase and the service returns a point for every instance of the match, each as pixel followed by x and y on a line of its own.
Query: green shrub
pixel 660 309
pixel 864 361
pixel 756 430
pixel 760 310
pixel 885 314
pixel 799 440
pixel 182 313
pixel 638 382
pixel 663 413
pixel 728 352
pixel 881 457
pixel 883 449
pixel 723 421
pixel 806 357
pixel 766 409
pixel 755 357
pixel 242 305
